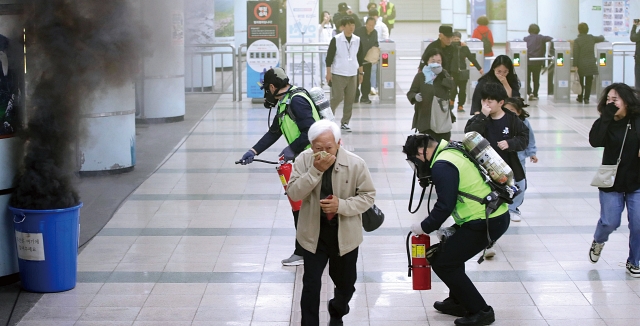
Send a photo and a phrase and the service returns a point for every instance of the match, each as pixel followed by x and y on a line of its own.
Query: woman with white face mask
pixel 430 93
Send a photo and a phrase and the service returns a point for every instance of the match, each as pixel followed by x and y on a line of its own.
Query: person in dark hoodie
pixel 504 130
pixel 536 48
pixel 459 70
pixel 635 37
pixel 584 57
pixel 344 10
pixel 617 131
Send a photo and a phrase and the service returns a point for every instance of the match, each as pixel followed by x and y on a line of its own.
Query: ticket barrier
pixel 604 55
pixel 517 51
pixel 562 73
pixel 387 72
pixel 477 50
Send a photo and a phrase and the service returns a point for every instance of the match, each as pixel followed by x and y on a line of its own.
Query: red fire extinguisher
pixel 417 257
pixel 284 171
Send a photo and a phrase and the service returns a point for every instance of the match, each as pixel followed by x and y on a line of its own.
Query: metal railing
pixel 624 53
pixel 211 51
pixel 301 69
pixel 240 66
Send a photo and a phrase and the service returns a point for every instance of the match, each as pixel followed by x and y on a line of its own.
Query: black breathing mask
pixel 270 99
pixel 421 168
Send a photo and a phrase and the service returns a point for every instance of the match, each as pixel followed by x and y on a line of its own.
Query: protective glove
pixel 288 153
pixel 416 229
pixel 418 97
pixel 247 158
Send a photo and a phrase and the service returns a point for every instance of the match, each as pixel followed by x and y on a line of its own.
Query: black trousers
pixel 468 241
pixel 460 90
pixel 342 270
pixel 365 87
pixel 298 251
pixel 638 73
pixel 533 75
pixel 585 84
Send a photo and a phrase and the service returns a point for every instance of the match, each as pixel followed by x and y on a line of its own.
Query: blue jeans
pixel 611 206
pixel 517 201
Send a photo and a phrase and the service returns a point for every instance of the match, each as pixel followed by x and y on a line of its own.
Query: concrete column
pixel 10 146
pixel 164 89
pixel 460 14
pixel 520 14
pixel 559 19
pixel 446 12
pixel 109 142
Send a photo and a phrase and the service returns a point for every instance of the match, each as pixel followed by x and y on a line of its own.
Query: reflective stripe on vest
pixel 288 126
pixel 471 182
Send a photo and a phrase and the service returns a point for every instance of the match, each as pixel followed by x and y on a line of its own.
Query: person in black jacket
pixel 368 39
pixel 504 130
pixel 443 43
pixel 501 73
pixel 344 10
pixel 431 83
pixel 584 57
pixel 635 37
pixel 618 131
pixel 459 70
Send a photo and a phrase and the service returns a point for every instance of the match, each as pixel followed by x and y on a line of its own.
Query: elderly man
pixel 443 43
pixel 335 188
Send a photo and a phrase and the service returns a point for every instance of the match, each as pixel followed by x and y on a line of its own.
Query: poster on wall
pixel 303 20
pixel 262 44
pixel 615 18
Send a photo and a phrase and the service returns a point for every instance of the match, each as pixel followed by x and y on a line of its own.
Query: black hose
pixel 259 160
pixel 409 253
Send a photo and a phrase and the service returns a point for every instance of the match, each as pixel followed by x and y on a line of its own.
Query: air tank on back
pixel 322 103
pixel 479 147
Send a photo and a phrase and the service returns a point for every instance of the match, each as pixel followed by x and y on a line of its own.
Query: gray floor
pixel 102 195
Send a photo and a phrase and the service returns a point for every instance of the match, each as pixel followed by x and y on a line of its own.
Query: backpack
pixel 486 43
pixel 500 193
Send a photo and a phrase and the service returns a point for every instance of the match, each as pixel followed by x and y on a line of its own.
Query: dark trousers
pixel 365 87
pixel 299 251
pixel 534 75
pixel 638 73
pixel 460 90
pixel 342 270
pixel 468 241
pixel 585 84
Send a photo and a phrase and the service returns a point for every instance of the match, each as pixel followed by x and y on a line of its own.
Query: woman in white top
pixel 326 32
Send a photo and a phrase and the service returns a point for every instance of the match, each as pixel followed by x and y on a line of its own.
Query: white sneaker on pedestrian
pixel 373 91
pixel 294 260
pixel 490 253
pixel 516 216
pixel 595 251
pixel 345 127
pixel 633 270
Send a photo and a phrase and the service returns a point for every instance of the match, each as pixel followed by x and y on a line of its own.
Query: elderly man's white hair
pixel 320 126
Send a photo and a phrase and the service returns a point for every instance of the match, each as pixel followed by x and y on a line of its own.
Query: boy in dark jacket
pixel 506 133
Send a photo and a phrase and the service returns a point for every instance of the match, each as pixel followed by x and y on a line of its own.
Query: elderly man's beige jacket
pixel 351 183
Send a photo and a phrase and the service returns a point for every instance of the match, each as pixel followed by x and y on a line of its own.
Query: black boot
pixel 579 98
pixel 482 317
pixel 450 307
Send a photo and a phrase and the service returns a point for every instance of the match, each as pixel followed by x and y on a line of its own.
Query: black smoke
pixel 75 48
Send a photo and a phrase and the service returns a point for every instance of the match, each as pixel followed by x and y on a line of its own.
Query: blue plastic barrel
pixel 47 245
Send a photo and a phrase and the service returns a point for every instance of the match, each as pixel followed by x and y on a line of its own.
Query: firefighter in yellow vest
pixel 387 11
pixel 296 113
pixel 457 180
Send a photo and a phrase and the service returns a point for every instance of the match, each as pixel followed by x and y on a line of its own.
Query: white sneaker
pixel 345 127
pixel 595 251
pixel 634 271
pixel 489 253
pixel 373 91
pixel 516 216
pixel 294 260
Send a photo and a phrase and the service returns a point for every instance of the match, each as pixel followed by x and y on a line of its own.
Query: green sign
pixel 599 8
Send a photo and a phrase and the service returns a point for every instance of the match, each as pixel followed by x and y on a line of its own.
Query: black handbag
pixel 372 218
